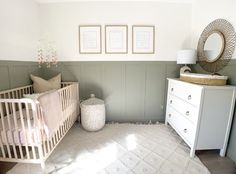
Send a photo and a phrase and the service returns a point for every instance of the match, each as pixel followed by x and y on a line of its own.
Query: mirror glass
pixel 214 46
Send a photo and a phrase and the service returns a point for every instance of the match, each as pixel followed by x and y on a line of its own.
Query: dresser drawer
pixel 188 92
pixel 187 110
pixel 182 126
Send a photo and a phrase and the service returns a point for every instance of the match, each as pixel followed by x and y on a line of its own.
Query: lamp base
pixel 185 69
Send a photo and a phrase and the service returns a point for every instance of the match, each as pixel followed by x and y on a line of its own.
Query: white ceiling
pixel 169 1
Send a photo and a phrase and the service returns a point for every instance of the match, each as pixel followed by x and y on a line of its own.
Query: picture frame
pixel 116 39
pixel 143 39
pixel 90 39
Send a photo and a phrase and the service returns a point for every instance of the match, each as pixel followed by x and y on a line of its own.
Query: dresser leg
pixel 166 122
pixel 222 152
pixel 192 153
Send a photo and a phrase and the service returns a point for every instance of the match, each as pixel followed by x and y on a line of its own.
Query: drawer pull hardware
pixel 172 89
pixel 187 113
pixel 169 115
pixel 171 101
pixel 189 97
pixel 185 130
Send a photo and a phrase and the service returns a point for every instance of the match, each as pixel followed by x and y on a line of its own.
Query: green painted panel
pixel 34 69
pixel 4 78
pixel 155 92
pixel 135 92
pixel 113 91
pixel 91 80
pixel 20 75
pixel 71 73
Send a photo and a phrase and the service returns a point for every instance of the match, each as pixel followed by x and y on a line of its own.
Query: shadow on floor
pixel 217 164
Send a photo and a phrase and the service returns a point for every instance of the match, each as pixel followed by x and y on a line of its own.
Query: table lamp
pixel 186 57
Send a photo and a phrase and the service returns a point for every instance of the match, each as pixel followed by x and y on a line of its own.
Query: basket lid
pixel 93 101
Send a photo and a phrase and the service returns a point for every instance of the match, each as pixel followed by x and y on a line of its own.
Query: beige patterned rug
pixel 119 149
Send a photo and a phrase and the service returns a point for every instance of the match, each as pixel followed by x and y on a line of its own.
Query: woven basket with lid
pixel 93 113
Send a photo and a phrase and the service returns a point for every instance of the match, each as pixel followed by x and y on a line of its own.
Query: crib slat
pixel 68 97
pixel 43 148
pixel 16 126
pixel 48 146
pixel 5 135
pixel 17 96
pixel 57 132
pixel 2 148
pixel 10 129
pixel 24 132
pixel 30 129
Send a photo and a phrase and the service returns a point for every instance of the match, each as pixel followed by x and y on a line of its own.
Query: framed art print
pixel 143 39
pixel 116 39
pixel 90 39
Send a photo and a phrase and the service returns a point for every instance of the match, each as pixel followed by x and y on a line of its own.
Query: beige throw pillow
pixel 41 85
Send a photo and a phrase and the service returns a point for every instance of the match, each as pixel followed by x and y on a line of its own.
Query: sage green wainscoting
pixel 133 91
pixel 229 70
pixel 16 73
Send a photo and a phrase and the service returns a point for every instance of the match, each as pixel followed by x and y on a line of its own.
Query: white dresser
pixel 200 114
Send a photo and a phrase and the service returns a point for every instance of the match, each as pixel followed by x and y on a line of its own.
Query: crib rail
pixel 17 92
pixel 16 112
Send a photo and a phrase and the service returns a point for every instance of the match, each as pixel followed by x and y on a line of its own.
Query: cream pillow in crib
pixel 41 85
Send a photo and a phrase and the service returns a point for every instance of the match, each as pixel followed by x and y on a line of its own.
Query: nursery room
pixel 116 87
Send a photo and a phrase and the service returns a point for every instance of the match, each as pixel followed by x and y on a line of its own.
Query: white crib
pixel 21 134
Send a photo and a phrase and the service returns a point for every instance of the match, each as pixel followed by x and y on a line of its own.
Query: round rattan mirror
pixel 216 45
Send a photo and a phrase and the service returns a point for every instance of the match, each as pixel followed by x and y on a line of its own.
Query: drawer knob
pixel 172 89
pixel 189 97
pixel 185 130
pixel 187 113
pixel 171 101
pixel 169 115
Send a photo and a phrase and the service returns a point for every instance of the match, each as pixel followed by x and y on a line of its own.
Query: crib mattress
pixel 19 136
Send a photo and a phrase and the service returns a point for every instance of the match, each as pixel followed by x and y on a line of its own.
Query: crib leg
pixel 41 158
pixel 43 167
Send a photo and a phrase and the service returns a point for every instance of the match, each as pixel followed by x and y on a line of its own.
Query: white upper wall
pixel 179 24
pixel 205 12
pixel 19 29
pixel 60 21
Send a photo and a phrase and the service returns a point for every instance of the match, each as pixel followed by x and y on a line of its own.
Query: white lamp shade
pixel 187 57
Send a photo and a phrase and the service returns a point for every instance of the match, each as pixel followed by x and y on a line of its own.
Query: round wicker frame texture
pixel 229 36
